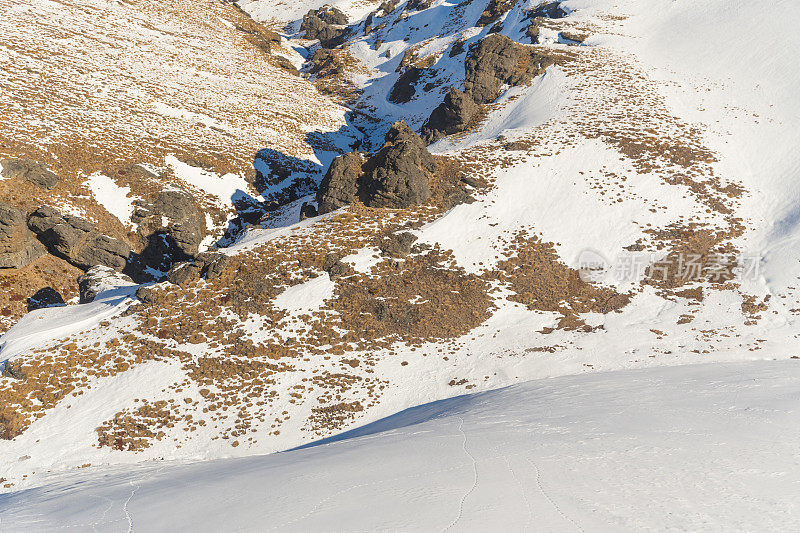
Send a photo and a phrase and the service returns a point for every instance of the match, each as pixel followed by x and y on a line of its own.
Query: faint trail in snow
pixel 103 516
pixel 522 490
pixel 125 506
pixel 475 475
pixel 549 499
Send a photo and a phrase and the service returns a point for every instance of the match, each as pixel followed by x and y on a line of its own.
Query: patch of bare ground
pixel 542 282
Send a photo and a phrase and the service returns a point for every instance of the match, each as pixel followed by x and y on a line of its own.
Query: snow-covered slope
pixel 663 139
pixel 690 448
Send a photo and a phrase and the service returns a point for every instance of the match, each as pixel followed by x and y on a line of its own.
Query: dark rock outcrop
pixel 185 272
pixel 494 10
pixel 340 185
pixel 325 24
pixel 419 5
pixel 18 247
pixel 404 88
pixel 398 175
pixel 495 61
pixel 45 297
pixel 174 226
pixel 30 170
pixel 76 240
pixel 451 116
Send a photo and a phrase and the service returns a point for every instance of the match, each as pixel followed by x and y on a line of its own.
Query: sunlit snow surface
pixel 704 447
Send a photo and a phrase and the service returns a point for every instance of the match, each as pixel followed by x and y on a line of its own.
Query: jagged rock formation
pixel 325 24
pixel 397 176
pixel 77 240
pixel 340 185
pixel 18 247
pixel 451 116
pixel 30 170
pixel 495 61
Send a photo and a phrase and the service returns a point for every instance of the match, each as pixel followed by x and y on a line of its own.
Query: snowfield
pixel 690 448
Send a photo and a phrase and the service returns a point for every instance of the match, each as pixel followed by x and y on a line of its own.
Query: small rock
pixel 46 297
pixel 398 244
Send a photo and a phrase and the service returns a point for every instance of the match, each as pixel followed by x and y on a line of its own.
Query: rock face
pixel 340 184
pixel 76 240
pixel 31 171
pixel 325 24
pixel 498 60
pixel 451 116
pixel 404 88
pixel 18 247
pixel 399 174
pixel 174 226
pixel 100 278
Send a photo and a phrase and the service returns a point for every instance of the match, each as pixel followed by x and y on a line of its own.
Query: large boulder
pixel 326 24
pixel 451 116
pixel 398 176
pixel 76 240
pixel 495 61
pixel 173 225
pixel 18 247
pixel 340 185
pixel 30 170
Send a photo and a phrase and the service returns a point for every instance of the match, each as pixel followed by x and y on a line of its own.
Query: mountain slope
pixel 557 240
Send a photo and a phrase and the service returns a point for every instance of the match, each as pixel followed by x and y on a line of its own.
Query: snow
pixel 43 326
pixel 115 199
pixel 305 297
pixel 226 188
pixel 704 447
